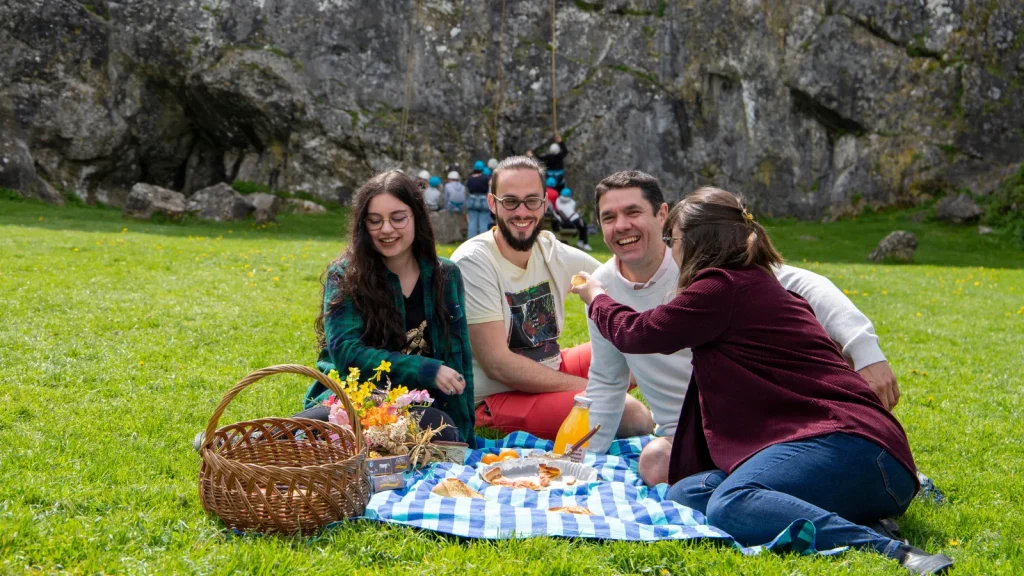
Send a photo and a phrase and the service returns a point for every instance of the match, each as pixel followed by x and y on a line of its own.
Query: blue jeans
pixel 479 222
pixel 837 482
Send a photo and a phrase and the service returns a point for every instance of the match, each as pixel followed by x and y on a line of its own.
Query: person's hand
pixel 882 382
pixel 589 289
pixel 449 381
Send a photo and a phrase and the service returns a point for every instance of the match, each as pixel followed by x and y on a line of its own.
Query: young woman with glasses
pixel 390 297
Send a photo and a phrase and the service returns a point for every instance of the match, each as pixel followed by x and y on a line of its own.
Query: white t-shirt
pixel 530 302
pixel 663 379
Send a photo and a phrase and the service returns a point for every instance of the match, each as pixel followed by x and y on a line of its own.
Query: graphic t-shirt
pixel 530 301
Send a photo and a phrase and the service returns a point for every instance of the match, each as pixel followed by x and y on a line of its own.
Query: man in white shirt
pixel 516 278
pixel 632 210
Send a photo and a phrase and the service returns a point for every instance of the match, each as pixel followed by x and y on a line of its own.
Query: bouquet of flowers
pixel 389 426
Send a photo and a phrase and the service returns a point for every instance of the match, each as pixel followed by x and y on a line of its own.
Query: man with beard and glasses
pixel 632 211
pixel 517 278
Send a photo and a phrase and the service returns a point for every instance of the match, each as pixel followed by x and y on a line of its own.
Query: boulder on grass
pixel 898 245
pixel 449 227
pixel 268 202
pixel 958 210
pixel 299 206
pixel 219 202
pixel 146 200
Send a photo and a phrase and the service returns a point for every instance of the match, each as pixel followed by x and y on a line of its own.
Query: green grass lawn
pixel 118 338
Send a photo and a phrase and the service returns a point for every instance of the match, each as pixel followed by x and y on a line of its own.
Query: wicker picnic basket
pixel 283 475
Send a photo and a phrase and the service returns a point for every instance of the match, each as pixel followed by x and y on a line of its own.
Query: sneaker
pixel 917 561
pixel 583 246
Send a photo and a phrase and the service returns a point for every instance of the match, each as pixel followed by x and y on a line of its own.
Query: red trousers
pixel 539 414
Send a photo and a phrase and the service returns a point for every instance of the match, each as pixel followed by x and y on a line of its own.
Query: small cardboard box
pixel 394 481
pixel 388 464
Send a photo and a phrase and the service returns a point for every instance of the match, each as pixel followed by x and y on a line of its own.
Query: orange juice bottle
pixel 575 426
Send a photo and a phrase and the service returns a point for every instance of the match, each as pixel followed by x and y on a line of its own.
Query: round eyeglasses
pixel 398 221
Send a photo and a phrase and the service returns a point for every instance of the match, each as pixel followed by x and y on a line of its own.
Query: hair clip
pixel 748 215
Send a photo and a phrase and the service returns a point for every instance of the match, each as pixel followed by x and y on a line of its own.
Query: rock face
pixel 898 245
pixel 146 200
pixel 219 202
pixel 808 107
pixel 958 210
pixel 448 227
pixel 18 173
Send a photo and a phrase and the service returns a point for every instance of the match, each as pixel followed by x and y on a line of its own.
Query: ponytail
pixel 719 231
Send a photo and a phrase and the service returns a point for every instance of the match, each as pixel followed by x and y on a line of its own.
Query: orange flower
pixel 377 416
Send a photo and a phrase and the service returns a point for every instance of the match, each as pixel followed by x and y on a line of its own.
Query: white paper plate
pixel 530 467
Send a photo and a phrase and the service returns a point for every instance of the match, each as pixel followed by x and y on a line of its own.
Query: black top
pixel 477 184
pixel 555 161
pixel 417 341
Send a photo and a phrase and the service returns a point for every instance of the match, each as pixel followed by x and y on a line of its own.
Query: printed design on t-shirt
pixel 416 341
pixel 534 329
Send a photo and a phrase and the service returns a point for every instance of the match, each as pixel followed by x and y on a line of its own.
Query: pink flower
pixel 331 401
pixel 338 415
pixel 414 397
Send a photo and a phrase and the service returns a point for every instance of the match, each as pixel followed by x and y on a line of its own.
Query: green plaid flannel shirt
pixel 345 347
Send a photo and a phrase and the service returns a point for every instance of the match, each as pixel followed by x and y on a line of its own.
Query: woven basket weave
pixel 283 475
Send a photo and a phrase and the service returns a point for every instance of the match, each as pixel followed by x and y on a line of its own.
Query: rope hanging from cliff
pixel 501 86
pixel 410 63
pixel 554 97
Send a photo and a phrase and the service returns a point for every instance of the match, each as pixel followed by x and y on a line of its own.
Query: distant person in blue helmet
pixel 565 210
pixel 432 194
pixel 479 214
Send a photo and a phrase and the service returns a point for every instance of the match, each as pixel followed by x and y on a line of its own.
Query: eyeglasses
pixel 510 203
pixel 398 221
pixel 670 240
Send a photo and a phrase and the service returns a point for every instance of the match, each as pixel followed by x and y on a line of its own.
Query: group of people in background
pixel 767 392
pixel 470 198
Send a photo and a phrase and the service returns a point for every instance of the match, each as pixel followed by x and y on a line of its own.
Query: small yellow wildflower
pixel 977 283
pixel 395 392
pixel 954 543
pixel 141 362
pixel 123 230
pixel 276 278
pixel 918 314
pixel 74 249
pixel 353 372
pixel 884 292
pixel 385 366
pixel 333 375
pixel 845 291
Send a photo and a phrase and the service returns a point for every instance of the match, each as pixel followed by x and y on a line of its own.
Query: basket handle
pixel 253 377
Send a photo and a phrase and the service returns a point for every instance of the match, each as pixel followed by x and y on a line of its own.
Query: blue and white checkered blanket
pixel 624 508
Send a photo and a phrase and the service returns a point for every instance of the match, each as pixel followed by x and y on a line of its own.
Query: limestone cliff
pixel 806 106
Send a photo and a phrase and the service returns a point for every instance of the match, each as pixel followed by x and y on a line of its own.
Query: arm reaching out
pixel 696 316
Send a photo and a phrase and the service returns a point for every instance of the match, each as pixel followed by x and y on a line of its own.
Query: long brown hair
pixel 718 231
pixel 365 278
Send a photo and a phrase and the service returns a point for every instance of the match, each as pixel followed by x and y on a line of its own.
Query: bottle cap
pixel 583 401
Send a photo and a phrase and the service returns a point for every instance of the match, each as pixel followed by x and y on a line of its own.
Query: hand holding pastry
pixel 586 287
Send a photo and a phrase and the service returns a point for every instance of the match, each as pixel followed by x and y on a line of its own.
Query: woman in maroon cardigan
pixel 776 426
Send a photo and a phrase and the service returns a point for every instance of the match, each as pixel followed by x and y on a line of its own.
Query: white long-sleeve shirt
pixel 663 379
